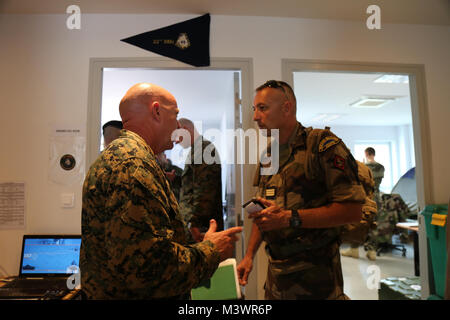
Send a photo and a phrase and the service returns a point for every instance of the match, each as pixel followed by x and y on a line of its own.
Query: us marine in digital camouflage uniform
pixel 173 173
pixel 307 201
pixel 201 183
pixel 134 241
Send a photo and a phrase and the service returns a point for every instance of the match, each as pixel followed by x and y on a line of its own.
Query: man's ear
pixel 287 106
pixel 156 111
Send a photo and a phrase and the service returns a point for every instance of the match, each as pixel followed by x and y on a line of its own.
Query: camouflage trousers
pixel 317 278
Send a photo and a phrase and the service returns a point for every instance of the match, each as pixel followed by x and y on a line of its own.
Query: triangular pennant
pixel 187 41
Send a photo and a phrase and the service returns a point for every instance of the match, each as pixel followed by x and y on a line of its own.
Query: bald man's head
pixel 150 111
pixel 189 126
pixel 186 123
pixel 138 99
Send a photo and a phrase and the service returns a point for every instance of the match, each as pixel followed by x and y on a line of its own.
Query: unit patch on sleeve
pixel 328 142
pixel 339 162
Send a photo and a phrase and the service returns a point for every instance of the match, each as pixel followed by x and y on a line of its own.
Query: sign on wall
pixel 67 153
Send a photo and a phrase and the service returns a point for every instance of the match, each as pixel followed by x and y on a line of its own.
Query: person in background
pixel 201 183
pixel 111 131
pixel 377 171
pixel 173 173
pixel 134 240
pixel 384 228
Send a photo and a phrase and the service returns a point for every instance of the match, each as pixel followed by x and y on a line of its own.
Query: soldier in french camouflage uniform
pixel 378 175
pixel 134 240
pixel 377 171
pixel 358 234
pixel 201 183
pixel 314 192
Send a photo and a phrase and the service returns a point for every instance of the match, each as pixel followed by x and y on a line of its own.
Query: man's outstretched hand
pixel 224 240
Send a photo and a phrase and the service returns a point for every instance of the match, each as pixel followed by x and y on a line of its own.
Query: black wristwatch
pixel 295 221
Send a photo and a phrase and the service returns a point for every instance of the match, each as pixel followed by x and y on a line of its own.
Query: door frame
pixel 244 187
pixel 420 123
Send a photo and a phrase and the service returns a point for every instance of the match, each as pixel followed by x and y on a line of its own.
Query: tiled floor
pixel 356 272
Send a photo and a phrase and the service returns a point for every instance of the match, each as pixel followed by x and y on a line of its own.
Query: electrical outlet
pixel 67 200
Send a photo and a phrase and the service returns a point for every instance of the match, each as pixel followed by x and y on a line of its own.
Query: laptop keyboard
pixel 21 293
pixel 37 284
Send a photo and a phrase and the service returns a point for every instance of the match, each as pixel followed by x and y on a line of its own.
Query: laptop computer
pixel 46 262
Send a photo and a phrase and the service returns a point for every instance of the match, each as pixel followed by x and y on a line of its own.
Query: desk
pixel 414 227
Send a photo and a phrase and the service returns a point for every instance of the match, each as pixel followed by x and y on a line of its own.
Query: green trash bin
pixel 436 226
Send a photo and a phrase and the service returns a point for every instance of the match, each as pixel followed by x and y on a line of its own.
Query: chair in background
pixel 392 210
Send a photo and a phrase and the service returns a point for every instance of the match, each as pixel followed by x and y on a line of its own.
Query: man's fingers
pixel 253 215
pixel 266 202
pixel 245 277
pixel 243 273
pixel 212 226
pixel 232 231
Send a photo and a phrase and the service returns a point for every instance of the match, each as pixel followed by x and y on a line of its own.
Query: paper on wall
pixel 12 205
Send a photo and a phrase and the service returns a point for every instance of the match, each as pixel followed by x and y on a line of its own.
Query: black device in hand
pixel 253 206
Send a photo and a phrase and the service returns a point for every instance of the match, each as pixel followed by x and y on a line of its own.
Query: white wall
pixel 44 79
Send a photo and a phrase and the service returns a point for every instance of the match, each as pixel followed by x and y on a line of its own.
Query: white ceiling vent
pixel 371 103
pixel 392 78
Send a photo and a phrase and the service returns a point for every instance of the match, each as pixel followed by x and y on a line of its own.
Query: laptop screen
pixel 50 255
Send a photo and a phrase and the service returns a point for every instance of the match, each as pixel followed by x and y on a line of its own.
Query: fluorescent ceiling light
pixel 371 103
pixel 392 78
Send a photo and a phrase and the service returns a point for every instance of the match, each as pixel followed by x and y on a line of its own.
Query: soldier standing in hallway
pixel 314 192
pixel 201 183
pixel 378 234
pixel 377 171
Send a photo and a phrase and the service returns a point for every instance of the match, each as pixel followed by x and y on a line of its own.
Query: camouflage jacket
pixel 392 211
pixel 175 184
pixel 133 238
pixel 201 186
pixel 378 173
pixel 327 175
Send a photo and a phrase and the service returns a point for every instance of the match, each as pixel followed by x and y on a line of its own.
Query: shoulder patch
pixel 339 162
pixel 328 142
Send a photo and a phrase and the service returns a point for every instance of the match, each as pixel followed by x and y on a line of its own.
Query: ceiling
pixel 207 95
pixel 332 93
pixel 432 12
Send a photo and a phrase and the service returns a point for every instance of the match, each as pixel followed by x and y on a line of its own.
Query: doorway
pixel 376 105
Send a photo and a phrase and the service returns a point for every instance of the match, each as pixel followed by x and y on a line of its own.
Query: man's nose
pixel 256 115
